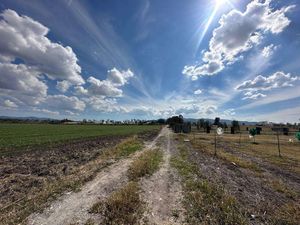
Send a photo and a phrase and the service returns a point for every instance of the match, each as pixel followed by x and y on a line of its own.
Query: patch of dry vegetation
pixel 123 206
pixel 146 164
pixel 288 214
pixel 281 187
pixel 205 202
pixel 200 144
pixel 265 149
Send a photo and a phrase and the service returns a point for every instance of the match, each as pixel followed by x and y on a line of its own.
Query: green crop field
pixel 23 135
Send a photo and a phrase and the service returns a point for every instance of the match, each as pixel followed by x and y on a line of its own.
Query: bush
pixel 253 131
pixel 297 136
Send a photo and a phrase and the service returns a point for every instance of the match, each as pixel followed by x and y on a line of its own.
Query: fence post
pixel 278 144
pixel 240 139
pixel 215 143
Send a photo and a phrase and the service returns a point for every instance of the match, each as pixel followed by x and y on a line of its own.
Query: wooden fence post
pixel 278 144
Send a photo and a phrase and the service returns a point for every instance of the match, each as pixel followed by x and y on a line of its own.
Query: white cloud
pixel 252 88
pixel 277 80
pixel 198 92
pixel 62 102
pixel 63 86
pixel 211 109
pixel 103 88
pixel 22 79
pixel 204 110
pixel 279 96
pixel 103 104
pixel 25 38
pixel 46 111
pixel 238 32
pixel 253 95
pixel 269 50
pixel 79 90
pixel 10 104
pixel 119 78
pixel 110 87
pixel 229 112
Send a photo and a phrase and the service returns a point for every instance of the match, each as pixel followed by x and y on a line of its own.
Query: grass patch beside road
pixel 125 148
pixel 205 202
pixel 146 164
pixel 123 206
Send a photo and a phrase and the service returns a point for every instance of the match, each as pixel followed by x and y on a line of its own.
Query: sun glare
pixel 219 3
pixel 217 6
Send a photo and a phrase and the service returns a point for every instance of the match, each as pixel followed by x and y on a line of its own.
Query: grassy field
pixel 265 147
pixel 246 182
pixel 23 135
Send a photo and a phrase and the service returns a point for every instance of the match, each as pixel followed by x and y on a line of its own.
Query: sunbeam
pixel 207 23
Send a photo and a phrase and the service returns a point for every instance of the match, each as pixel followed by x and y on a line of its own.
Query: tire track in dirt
pixel 162 191
pixel 74 207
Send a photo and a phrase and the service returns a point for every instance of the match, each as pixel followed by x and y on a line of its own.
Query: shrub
pixel 297 135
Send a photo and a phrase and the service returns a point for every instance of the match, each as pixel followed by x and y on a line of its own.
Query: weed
pixel 89 222
pixel 288 214
pixel 279 186
pixel 146 164
pixel 124 206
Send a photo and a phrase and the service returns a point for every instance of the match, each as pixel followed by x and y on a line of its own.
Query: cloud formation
pixel 269 50
pixel 198 92
pixel 25 39
pixel 110 87
pixel 252 88
pixel 21 79
pixel 237 33
pixel 8 103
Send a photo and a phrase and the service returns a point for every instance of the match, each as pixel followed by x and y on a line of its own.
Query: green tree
pixel 253 132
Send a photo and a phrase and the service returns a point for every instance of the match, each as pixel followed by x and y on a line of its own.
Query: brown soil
pixel 24 175
pixel 74 207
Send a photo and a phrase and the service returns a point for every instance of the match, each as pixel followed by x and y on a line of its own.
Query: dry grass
pixel 281 187
pixel 146 164
pixel 200 144
pixel 288 214
pixel 265 149
pixel 239 161
pixel 125 206
pixel 205 202
pixel 122 207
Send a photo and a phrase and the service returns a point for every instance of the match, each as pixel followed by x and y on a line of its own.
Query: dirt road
pixel 161 192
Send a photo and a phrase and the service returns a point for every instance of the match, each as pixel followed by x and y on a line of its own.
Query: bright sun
pixel 219 3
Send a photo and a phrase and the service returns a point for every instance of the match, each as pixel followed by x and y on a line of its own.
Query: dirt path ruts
pixel 162 191
pixel 73 207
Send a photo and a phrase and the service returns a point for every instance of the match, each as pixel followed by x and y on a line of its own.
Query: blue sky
pixel 145 59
